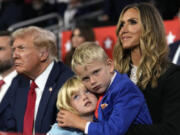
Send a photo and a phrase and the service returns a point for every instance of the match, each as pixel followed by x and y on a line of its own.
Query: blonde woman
pixel 142 52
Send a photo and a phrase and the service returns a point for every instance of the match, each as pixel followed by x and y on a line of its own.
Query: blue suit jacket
pixel 122 105
pixel 47 110
pixel 6 102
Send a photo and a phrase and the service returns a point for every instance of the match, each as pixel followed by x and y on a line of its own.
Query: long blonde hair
pixel 153 46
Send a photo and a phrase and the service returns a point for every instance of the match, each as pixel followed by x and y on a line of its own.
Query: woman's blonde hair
pixel 87 52
pixel 41 38
pixel 70 87
pixel 153 46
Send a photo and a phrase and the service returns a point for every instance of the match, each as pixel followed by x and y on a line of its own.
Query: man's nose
pixel 15 54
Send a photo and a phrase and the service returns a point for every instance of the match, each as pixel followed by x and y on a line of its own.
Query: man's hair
pixel 5 33
pixel 86 53
pixel 41 38
pixel 8 34
pixel 70 87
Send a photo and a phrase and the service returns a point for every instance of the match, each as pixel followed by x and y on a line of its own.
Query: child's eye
pixel 75 97
pixel 85 79
pixel 96 71
pixel 1 48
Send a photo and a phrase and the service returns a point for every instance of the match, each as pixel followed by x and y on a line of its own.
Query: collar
pixel 112 79
pixel 42 78
pixel 9 77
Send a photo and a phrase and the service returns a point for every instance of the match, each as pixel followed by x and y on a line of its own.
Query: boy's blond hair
pixel 71 86
pixel 86 53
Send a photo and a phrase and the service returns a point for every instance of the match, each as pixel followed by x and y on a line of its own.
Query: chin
pixel 18 70
pixel 127 46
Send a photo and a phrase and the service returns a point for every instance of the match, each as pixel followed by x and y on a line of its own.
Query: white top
pixel 68 16
pixel 8 79
pixel 41 82
pixel 70 13
pixel 133 75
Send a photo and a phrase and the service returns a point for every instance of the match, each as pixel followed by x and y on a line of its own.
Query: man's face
pixel 96 76
pixel 27 58
pixel 6 61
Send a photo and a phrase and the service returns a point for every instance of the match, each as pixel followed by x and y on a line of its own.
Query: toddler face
pixel 84 101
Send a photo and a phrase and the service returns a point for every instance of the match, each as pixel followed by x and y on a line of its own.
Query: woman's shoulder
pixel 173 69
pixel 171 74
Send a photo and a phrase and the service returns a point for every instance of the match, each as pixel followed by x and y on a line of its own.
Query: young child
pixel 74 97
pixel 122 104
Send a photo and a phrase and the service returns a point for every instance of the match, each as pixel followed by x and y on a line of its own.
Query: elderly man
pixel 35 57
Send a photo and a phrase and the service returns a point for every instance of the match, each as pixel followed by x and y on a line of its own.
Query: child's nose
pixel 85 97
pixel 93 80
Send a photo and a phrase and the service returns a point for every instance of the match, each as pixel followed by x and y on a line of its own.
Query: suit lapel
pixel 48 90
pixel 106 97
pixel 8 96
pixel 20 107
pixel 6 100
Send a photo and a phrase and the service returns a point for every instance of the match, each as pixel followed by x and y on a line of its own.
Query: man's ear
pixel 44 54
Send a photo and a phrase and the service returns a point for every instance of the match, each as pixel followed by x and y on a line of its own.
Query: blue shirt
pixel 56 130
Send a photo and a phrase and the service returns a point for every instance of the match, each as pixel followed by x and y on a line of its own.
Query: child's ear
pixel 110 64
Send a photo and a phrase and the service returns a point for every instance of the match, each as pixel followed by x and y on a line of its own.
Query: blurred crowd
pixel 95 12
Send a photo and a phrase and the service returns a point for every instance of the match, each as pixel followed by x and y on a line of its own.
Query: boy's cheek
pixel 91 90
pixel 87 85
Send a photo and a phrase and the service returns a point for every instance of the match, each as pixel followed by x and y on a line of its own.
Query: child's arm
pixel 68 119
pixel 124 104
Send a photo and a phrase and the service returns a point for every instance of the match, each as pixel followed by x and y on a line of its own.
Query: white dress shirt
pixel 41 82
pixel 8 79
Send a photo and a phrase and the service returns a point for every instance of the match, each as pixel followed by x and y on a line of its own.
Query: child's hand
pixel 65 118
pixel 68 119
